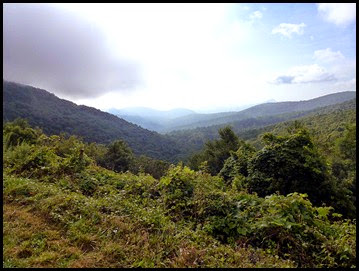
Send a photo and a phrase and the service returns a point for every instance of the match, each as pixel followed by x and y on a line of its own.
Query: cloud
pixel 288 29
pixel 304 74
pixel 349 85
pixel 256 15
pixel 327 55
pixel 284 79
pixel 339 14
pixel 56 50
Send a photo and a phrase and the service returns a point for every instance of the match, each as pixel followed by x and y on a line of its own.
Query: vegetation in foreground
pixel 62 209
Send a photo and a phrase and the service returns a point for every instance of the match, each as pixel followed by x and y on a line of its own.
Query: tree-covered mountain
pixel 261 110
pixel 192 140
pixel 54 115
pixel 326 124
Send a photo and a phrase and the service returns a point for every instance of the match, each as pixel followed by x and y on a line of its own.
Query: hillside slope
pixel 55 115
pixel 261 110
pixel 192 140
pixel 60 215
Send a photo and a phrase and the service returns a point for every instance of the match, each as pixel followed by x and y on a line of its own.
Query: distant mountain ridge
pixel 184 119
pixel 55 115
pixel 149 118
pixel 192 140
pixel 261 110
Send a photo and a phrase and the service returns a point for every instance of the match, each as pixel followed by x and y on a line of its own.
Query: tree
pixel 289 164
pixel 19 131
pixel 156 168
pixel 217 151
pixel 118 156
pixel 344 171
pixel 237 163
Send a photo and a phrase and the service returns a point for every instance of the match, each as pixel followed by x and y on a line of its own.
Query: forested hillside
pixel 55 115
pixel 335 115
pixel 262 110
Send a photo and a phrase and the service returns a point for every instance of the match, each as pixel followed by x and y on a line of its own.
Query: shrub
pixel 19 131
pixel 31 160
pixel 290 164
pixel 75 162
pixel 177 188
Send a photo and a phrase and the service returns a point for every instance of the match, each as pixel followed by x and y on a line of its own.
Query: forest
pixel 286 201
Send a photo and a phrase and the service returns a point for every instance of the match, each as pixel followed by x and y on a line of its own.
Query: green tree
pixel 154 167
pixel 237 163
pixel 217 151
pixel 118 156
pixel 347 144
pixel 19 131
pixel 343 167
pixel 289 164
pixel 96 151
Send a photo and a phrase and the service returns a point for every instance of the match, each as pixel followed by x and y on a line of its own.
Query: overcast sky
pixel 196 56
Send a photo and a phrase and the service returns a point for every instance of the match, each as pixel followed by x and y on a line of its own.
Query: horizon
pixel 146 55
pixel 179 108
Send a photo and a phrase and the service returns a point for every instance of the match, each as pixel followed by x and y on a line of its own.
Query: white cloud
pixel 288 29
pixel 256 15
pixel 349 85
pixel 339 14
pixel 327 55
pixel 304 74
pixel 184 51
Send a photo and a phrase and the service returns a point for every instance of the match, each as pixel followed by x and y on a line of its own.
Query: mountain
pixel 261 110
pixel 192 140
pixel 326 124
pixel 184 119
pixel 149 118
pixel 55 115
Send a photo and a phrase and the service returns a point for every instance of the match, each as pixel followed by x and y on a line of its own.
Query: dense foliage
pixel 63 210
pixel 217 151
pixel 286 164
pixel 289 164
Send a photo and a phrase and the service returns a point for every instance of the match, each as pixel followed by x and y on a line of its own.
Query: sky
pixel 204 57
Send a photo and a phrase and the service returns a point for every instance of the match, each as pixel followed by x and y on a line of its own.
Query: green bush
pixel 88 185
pixel 31 160
pixel 290 164
pixel 177 188
pixel 19 131
pixel 237 163
pixel 75 162
pixel 118 156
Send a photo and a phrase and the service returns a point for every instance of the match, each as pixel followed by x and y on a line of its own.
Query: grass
pixel 48 225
